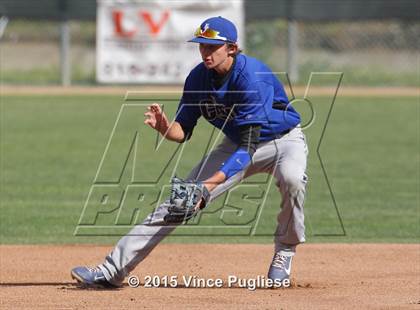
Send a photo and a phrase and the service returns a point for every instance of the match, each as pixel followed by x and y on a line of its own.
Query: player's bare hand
pixel 156 118
pixel 200 205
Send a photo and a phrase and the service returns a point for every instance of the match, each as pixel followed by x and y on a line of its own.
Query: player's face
pixel 215 57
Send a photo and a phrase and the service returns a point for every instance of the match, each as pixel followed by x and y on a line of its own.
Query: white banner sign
pixel 146 41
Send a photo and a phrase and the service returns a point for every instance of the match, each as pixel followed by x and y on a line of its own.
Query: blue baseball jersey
pixel 250 94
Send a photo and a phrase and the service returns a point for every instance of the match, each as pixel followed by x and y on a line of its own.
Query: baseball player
pixel 242 97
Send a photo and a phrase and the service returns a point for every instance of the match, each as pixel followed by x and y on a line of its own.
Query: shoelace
pixel 279 261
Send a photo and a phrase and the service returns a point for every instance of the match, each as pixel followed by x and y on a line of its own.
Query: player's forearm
pixel 216 179
pixel 240 159
pixel 173 132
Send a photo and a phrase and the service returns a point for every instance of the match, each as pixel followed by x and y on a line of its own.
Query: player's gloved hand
pixel 187 199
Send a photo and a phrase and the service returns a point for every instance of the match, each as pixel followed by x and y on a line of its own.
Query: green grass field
pixel 51 147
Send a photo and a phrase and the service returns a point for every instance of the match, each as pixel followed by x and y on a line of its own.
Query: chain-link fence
pixel 30 52
pixel 373 53
pixel 368 53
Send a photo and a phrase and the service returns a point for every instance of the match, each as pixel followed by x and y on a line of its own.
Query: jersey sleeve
pixel 188 111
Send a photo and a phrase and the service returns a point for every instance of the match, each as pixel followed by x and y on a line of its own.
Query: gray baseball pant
pixel 284 157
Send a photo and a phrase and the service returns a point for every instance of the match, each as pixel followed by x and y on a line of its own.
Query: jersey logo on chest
pixel 211 110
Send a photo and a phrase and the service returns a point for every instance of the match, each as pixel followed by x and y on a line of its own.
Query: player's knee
pixel 158 215
pixel 293 180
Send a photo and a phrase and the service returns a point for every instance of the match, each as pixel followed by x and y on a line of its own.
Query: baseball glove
pixel 184 199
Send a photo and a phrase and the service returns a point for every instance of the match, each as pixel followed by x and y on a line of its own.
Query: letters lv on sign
pixel 152 24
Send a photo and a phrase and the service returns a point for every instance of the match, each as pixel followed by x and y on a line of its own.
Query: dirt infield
pixel 324 276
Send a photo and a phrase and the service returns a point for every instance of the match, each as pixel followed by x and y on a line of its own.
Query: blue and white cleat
pixel 90 277
pixel 281 266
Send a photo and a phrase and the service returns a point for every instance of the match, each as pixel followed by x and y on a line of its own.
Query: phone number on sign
pixel 133 69
pixel 197 282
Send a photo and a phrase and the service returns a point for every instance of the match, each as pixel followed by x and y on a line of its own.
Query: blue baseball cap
pixel 216 30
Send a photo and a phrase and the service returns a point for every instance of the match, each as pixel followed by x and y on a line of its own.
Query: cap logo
pixel 208 33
